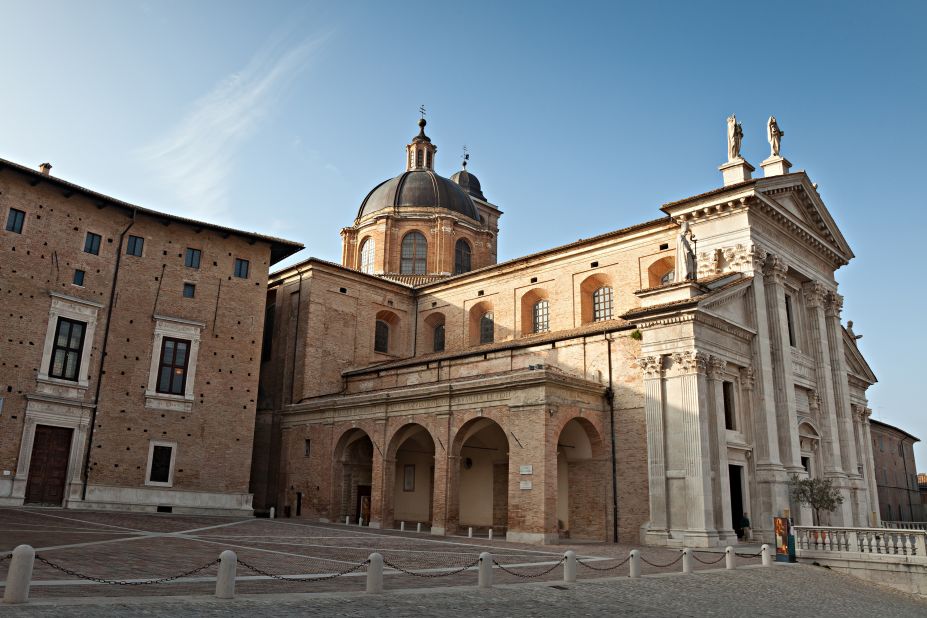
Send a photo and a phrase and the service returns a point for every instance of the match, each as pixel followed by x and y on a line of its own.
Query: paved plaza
pixel 137 548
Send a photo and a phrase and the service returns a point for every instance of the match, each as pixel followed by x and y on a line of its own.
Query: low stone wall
pixel 906 573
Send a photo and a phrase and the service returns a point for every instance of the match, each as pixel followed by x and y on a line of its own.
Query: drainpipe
pixel 610 398
pixel 907 488
pixel 85 473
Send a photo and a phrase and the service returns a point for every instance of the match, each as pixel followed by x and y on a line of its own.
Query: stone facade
pixel 896 473
pixel 578 391
pixel 133 294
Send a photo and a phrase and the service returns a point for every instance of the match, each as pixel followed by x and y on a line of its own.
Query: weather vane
pixel 421 110
pixel 466 155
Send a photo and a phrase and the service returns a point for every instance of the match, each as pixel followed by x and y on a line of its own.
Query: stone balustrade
pixel 813 540
pixel 905 525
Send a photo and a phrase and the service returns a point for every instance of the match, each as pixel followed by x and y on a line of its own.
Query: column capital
pixel 815 293
pixel 652 366
pixel 716 367
pixel 833 304
pixel 775 268
pixel 747 378
pixel 690 361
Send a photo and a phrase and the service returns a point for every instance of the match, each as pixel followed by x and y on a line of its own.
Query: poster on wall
pixel 785 539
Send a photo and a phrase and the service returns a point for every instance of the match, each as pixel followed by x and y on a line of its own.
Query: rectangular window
pixel 15 220
pixel 192 258
pixel 881 444
pixel 172 370
pixel 806 464
pixel 135 246
pixel 161 459
pixel 730 417
pixel 267 345
pixel 67 349
pixel 541 316
pixel 189 290
pixel 307 447
pixel 790 319
pixel 408 477
pixel 241 268
pixel 78 276
pixel 92 243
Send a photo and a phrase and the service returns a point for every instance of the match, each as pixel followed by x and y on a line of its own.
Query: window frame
pixel 67 349
pixel 79 274
pixel 92 242
pixel 435 338
pixel 368 250
pixel 189 286
pixel 152 444
pixel 15 220
pixel 413 264
pixel 173 366
pixel 462 253
pixel 603 304
pixel 487 328
pixel 188 256
pixel 540 316
pixel 408 478
pixel 790 320
pixel 729 403
pixel 135 246
pixel 239 262
pixel 381 335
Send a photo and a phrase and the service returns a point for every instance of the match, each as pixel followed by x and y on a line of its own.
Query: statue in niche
pixel 685 256
pixel 774 135
pixel 735 135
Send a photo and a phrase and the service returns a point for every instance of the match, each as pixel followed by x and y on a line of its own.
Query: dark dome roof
pixel 419 188
pixel 469 183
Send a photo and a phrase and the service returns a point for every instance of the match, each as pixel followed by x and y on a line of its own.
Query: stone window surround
pixel 71 307
pixel 178 328
pixel 170 476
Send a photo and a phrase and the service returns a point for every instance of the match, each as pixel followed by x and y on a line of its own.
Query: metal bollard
pixel 764 551
pixel 225 579
pixel 569 567
pixel 686 560
pixel 402 526
pixel 418 527
pixel 485 573
pixel 273 513
pixel 19 577
pixel 490 534
pixel 729 558
pixel 375 574
pixel 635 569
pixel 470 532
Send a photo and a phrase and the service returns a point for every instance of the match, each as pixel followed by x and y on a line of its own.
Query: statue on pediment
pixel 774 135
pixel 685 256
pixel 735 135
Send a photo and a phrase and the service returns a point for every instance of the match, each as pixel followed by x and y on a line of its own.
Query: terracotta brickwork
pixel 209 426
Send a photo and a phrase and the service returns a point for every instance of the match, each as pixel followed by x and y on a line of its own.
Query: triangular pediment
pixel 855 362
pixel 727 302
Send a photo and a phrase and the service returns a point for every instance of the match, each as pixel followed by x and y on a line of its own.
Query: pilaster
pixel 721 480
pixel 652 368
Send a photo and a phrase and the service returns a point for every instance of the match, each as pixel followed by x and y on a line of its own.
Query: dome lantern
pixel 420 154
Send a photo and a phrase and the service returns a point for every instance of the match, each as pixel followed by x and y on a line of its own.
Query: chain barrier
pixel 756 555
pixel 661 566
pixel 323 578
pixel 720 558
pixel 393 565
pixel 119 582
pixel 611 568
pixel 525 576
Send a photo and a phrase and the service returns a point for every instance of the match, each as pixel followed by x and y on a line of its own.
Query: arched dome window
pixel 542 316
pixel 368 248
pixel 462 257
pixel 414 250
pixel 487 327
pixel 602 304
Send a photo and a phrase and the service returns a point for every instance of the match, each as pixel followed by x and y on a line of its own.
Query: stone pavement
pixel 776 591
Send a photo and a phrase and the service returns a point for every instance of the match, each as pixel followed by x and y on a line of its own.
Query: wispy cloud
pixel 195 159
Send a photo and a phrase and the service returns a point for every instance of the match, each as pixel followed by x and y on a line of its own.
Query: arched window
pixel 602 304
pixel 461 257
pixel 381 337
pixel 368 248
pixel 486 328
pixel 439 338
pixel 668 277
pixel 542 316
pixel 414 248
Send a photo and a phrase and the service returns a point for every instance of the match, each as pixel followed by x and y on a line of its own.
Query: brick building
pixel 129 351
pixel 621 385
pixel 896 473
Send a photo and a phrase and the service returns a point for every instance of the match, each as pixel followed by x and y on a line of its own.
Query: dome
pixel 469 183
pixel 420 188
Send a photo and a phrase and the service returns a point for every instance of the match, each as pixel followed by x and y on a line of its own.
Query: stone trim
pixel 178 328
pixel 170 477
pixel 70 307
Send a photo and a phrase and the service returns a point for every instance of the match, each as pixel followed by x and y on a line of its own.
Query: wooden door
pixel 48 468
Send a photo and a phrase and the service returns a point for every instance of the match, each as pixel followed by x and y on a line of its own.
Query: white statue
pixel 685 256
pixel 774 135
pixel 850 332
pixel 735 134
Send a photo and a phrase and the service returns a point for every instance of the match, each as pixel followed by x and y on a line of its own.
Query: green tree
pixel 819 494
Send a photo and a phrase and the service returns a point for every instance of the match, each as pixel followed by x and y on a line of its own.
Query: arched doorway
pixel 353 476
pixel 581 482
pixel 413 450
pixel 482 484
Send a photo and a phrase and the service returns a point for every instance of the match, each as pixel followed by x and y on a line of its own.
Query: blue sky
pixel 580 118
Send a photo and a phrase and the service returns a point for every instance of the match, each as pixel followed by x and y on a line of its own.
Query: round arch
pixel 587 290
pixel 480 483
pixel 528 301
pixel 409 479
pixel 582 490
pixel 353 476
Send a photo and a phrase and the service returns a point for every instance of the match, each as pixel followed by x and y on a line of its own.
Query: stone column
pixel 864 413
pixel 378 477
pixel 762 508
pixel 700 528
pixel 815 294
pixel 443 460
pixel 781 352
pixel 652 367
pixel 718 433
